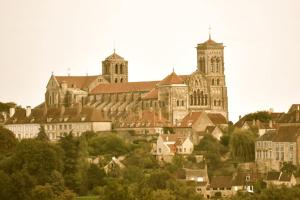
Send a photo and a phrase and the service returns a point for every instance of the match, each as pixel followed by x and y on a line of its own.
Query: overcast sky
pixel 262 53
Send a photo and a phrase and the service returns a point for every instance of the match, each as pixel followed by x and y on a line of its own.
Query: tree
pixel 43 192
pixel 243 145
pixel 288 167
pixel 38 158
pixel 95 177
pixel 8 141
pixel 42 136
pixel 163 194
pixel 70 146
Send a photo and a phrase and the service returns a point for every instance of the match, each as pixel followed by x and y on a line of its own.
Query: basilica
pixel 170 99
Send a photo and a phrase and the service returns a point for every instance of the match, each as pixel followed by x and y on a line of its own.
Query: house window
pixel 247 178
pixel 177 102
pixel 116 80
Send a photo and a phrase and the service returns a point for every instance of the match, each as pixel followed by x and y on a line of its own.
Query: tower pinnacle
pixel 209 32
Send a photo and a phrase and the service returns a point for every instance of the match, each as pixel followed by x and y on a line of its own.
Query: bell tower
pixel 115 69
pixel 210 61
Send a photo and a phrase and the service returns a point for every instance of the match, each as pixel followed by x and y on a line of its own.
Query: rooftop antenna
pixel 209 32
pixel 69 71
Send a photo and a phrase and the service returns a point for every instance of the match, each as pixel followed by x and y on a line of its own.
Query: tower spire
pixel 114 47
pixel 209 32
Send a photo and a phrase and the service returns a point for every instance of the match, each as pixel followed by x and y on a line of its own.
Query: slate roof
pixel 279 176
pixel 57 115
pixel 221 182
pixel 287 134
pixel 268 136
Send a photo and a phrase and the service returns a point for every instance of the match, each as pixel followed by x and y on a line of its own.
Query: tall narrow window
pixel 116 80
pixel 116 68
pixel 218 81
pixel 213 82
pixel 121 69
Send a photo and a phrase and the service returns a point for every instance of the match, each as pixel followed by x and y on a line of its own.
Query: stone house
pixel 168 145
pixel 276 147
pixel 56 121
pixel 245 181
pixel 197 124
pixel 200 177
pixel 220 186
pixel 280 179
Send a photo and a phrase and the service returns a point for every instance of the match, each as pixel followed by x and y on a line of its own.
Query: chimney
pixel 62 110
pixel 12 111
pixel 64 86
pixel 4 114
pixel 79 108
pixel 28 111
pixel 271 124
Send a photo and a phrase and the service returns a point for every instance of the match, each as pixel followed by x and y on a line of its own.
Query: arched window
pixel 192 99
pixel 195 98
pixel 116 68
pixel 220 103
pixel 213 61
pixel 215 102
pixel 121 80
pixel 116 80
pixel 218 81
pixel 182 102
pixel 121 69
pixel 177 102
pixel 205 100
pixel 213 82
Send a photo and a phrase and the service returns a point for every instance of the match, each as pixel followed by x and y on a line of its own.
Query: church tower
pixel 210 61
pixel 115 69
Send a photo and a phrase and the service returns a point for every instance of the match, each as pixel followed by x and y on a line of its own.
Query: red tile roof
pixel 76 81
pixel 124 87
pixel 190 119
pixel 153 94
pixel 172 78
pixel 217 118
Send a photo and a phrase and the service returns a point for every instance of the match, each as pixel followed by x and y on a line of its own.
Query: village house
pixel 200 177
pixel 276 147
pixel 292 117
pixel 220 186
pixel 56 121
pixel 197 124
pixel 168 145
pixel 280 179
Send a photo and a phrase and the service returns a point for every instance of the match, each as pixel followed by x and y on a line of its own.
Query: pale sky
pixel 262 54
